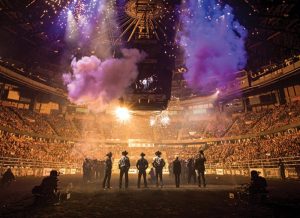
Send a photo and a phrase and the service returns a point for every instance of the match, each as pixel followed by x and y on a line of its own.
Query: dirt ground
pixel 188 201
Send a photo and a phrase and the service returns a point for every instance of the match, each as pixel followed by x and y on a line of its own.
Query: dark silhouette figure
pixel 107 171
pixel 97 168
pixel 152 176
pixel 48 190
pixel 177 171
pixel 7 178
pixel 158 164
pixel 257 188
pixel 142 165
pixel 124 165
pixel 258 184
pixel 87 170
pixel 191 170
pixel 200 167
pixel 281 169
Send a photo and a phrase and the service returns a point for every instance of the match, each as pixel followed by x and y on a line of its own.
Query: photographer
pixel 48 190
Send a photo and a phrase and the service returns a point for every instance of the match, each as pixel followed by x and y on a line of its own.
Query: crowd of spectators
pixel 275 66
pixel 63 127
pixel 139 128
pixel 34 121
pixel 9 119
pixel 47 148
pixel 279 146
pixel 26 147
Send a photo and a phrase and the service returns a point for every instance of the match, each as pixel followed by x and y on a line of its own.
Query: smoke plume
pixel 214 43
pixel 96 83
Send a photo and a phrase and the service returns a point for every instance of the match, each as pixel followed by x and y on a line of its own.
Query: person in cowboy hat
pixel 200 167
pixel 142 165
pixel 177 171
pixel 107 171
pixel 158 163
pixel 124 165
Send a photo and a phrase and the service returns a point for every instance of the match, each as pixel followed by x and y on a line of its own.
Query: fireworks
pixel 213 42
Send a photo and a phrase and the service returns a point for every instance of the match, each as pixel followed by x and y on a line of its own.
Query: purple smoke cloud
pixel 214 44
pixel 96 83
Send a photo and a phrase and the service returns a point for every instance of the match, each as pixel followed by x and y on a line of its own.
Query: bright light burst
pixel 122 114
pixel 164 120
pixel 152 121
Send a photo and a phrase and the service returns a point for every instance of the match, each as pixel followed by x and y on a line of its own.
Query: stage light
pixel 122 114
pixel 152 121
pixel 164 120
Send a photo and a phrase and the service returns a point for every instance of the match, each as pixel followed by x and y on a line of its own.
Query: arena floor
pixel 188 201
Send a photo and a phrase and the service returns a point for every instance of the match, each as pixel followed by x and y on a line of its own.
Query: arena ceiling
pixel 28 33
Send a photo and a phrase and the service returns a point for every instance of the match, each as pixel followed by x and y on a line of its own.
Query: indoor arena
pixel 150 108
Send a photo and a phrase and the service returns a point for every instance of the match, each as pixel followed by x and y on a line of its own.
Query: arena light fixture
pixel 152 121
pixel 122 114
pixel 164 119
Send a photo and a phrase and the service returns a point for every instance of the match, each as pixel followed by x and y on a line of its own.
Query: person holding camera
pixel 48 191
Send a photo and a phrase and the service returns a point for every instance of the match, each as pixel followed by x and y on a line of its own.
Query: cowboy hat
pixel 158 153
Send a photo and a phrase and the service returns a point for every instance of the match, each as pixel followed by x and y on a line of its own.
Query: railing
pixel 31 163
pixel 268 167
pixel 258 163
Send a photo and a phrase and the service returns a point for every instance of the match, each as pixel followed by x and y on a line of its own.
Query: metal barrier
pixel 31 167
pixel 259 163
pixel 268 167
pixel 21 162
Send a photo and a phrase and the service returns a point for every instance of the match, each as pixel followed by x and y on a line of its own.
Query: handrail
pixel 24 162
pixel 264 162
pixel 290 161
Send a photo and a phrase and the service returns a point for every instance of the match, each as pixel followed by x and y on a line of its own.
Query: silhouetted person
pixel 258 184
pixel 97 167
pixel 152 175
pixel 7 178
pixel 200 167
pixel 191 170
pixel 177 171
pixel 281 169
pixel 158 164
pixel 107 171
pixel 124 165
pixel 86 168
pixel 170 167
pixel 257 187
pixel 142 165
pixel 48 190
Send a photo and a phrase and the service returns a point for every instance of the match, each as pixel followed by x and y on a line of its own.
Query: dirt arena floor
pixel 187 201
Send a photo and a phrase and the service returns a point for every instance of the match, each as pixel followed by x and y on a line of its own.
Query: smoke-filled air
pixel 95 83
pixel 213 41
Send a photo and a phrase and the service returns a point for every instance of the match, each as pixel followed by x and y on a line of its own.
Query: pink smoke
pixel 214 44
pixel 96 83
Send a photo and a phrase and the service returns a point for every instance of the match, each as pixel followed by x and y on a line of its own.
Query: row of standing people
pixel 92 169
pixel 158 164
